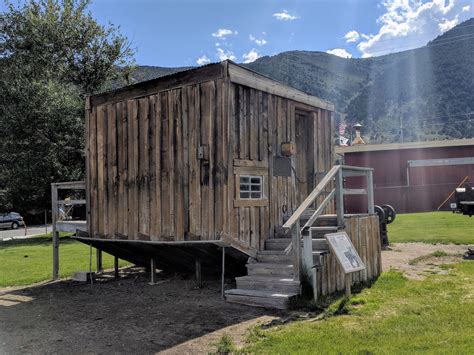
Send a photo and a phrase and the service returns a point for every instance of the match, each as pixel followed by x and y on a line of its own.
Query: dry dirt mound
pixel 417 260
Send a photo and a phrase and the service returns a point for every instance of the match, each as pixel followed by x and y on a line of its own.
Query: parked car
pixel 11 220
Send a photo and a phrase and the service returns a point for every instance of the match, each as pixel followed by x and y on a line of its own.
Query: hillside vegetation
pixel 428 91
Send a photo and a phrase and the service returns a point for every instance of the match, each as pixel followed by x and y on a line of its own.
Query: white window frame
pixel 250 184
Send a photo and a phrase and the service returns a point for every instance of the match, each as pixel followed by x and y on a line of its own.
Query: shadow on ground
pixel 119 316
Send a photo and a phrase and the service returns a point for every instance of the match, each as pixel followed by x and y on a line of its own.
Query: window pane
pixel 244 187
pixel 244 179
pixel 256 180
pixel 255 188
pixel 244 195
pixel 255 195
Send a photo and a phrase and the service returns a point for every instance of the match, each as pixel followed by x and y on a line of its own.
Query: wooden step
pixel 319 232
pixel 268 299
pixel 320 244
pixel 270 269
pixel 274 257
pixel 268 283
pixel 277 243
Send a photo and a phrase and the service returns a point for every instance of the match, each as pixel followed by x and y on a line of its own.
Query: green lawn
pixel 395 315
pixel 432 227
pixel 23 262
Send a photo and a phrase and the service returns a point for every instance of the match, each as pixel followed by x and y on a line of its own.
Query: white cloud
pixel 284 16
pixel 352 36
pixel 447 25
pixel 409 24
pixel 203 60
pixel 466 8
pixel 259 42
pixel 251 56
pixel 224 55
pixel 223 33
pixel 340 52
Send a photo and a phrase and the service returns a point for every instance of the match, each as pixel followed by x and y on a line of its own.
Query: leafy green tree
pixel 52 53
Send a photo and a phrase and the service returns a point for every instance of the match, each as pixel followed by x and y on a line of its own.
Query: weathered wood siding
pixel 146 181
pixel 364 234
pixel 165 165
pixel 261 122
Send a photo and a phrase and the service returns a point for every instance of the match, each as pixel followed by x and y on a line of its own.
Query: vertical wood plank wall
pixel 261 122
pixel 147 181
pixel 365 236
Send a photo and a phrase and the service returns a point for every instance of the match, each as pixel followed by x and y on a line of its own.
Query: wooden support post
pixel 370 192
pixel 116 267
pixel 54 202
pixel 308 263
pixel 152 271
pixel 98 260
pixel 198 274
pixel 223 274
pixel 295 241
pixel 340 198
pixel 348 281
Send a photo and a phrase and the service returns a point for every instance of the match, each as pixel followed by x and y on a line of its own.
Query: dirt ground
pixel 416 260
pixel 125 316
pixel 174 317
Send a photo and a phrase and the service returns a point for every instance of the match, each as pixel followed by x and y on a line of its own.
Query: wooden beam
pixel 311 197
pixel 251 163
pixel 169 82
pixel 98 259
pixel 354 191
pixel 70 185
pixel 243 76
pixel 54 214
pixel 251 203
pixel 71 202
pixel 198 274
pixel 116 267
pixel 152 271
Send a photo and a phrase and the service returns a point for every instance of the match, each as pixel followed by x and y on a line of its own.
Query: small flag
pixel 342 128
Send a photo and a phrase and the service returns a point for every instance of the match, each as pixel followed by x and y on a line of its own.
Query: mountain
pixel 422 94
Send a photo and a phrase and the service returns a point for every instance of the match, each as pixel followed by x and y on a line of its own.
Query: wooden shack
pixel 180 166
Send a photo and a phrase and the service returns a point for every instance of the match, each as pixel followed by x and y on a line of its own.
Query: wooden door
pixel 304 160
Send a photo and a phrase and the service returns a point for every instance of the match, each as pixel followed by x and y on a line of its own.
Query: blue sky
pixel 190 32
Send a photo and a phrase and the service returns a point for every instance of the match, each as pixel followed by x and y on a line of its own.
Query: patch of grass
pixel 436 254
pixel 432 227
pixel 394 316
pixel 439 253
pixel 23 262
pixel 225 345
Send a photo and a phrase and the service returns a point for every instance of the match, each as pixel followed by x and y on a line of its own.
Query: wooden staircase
pixel 274 277
pixel 271 280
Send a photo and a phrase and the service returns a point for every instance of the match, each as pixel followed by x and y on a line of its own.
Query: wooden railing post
pixel 340 198
pixel 308 263
pixel 370 192
pixel 295 241
pixel 54 218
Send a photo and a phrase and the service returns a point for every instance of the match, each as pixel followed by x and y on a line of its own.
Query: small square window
pixel 251 187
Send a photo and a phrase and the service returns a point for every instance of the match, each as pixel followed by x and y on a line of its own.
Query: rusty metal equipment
pixel 464 200
pixel 387 215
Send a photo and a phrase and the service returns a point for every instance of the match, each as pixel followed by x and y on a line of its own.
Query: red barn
pixel 412 177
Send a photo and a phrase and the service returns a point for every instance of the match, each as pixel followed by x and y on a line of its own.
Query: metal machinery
pixel 386 215
pixel 464 200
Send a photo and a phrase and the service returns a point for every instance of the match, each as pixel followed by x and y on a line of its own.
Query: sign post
pixel 346 255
